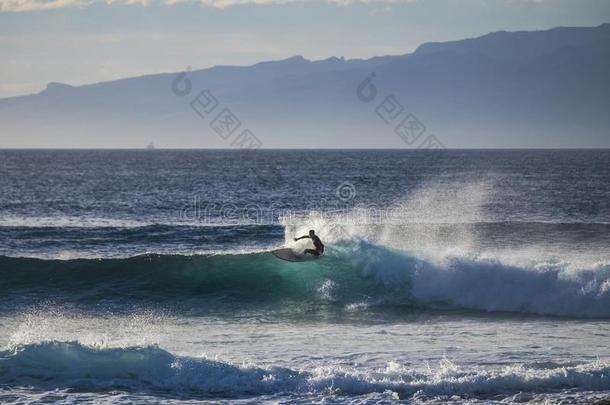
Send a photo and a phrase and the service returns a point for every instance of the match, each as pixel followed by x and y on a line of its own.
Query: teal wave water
pixel 349 274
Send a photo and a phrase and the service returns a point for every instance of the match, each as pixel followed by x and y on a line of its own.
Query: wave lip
pixel 70 365
pixel 541 289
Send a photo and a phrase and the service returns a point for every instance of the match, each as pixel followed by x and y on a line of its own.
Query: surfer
pixel 319 246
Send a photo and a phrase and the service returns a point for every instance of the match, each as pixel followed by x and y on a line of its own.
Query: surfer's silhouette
pixel 319 246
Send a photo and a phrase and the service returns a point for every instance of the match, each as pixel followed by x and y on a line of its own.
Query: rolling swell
pixel 151 369
pixel 157 278
pixel 351 275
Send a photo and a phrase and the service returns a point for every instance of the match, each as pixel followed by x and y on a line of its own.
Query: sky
pixel 87 41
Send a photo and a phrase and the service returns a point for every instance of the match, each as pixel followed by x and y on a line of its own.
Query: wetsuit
pixel 319 246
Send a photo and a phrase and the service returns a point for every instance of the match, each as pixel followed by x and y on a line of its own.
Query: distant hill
pixel 505 89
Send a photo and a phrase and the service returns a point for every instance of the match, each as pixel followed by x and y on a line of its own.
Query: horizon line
pixel 439 150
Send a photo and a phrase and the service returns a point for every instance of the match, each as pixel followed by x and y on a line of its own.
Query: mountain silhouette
pixel 505 89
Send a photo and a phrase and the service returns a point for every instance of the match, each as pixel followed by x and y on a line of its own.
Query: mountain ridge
pixel 503 89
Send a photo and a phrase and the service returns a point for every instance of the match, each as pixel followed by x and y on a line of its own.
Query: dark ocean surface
pixel 463 276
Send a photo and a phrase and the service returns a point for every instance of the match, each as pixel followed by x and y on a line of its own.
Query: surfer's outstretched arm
pixel 302 237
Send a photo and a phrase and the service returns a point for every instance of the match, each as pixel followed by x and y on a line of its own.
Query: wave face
pixel 61 365
pixel 350 274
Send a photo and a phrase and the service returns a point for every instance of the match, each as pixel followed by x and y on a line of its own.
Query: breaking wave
pixel 151 369
pixel 349 273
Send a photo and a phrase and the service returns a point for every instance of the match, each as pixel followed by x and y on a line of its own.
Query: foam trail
pixel 69 222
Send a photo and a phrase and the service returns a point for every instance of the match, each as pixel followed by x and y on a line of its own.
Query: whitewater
pixel 474 277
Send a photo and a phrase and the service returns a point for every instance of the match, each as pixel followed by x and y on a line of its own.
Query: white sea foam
pixel 70 221
pixel 58 365
pixel 448 269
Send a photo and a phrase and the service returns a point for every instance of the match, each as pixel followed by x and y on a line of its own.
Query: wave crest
pixel 349 274
pixel 71 365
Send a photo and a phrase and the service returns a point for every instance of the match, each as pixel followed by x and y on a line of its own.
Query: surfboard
pixel 291 256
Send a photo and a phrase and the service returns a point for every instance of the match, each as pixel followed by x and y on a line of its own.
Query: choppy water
pixel 455 276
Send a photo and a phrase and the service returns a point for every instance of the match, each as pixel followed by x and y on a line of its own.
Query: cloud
pixel 36 5
pixel 33 5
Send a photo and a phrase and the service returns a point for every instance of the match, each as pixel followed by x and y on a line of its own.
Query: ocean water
pixel 464 277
